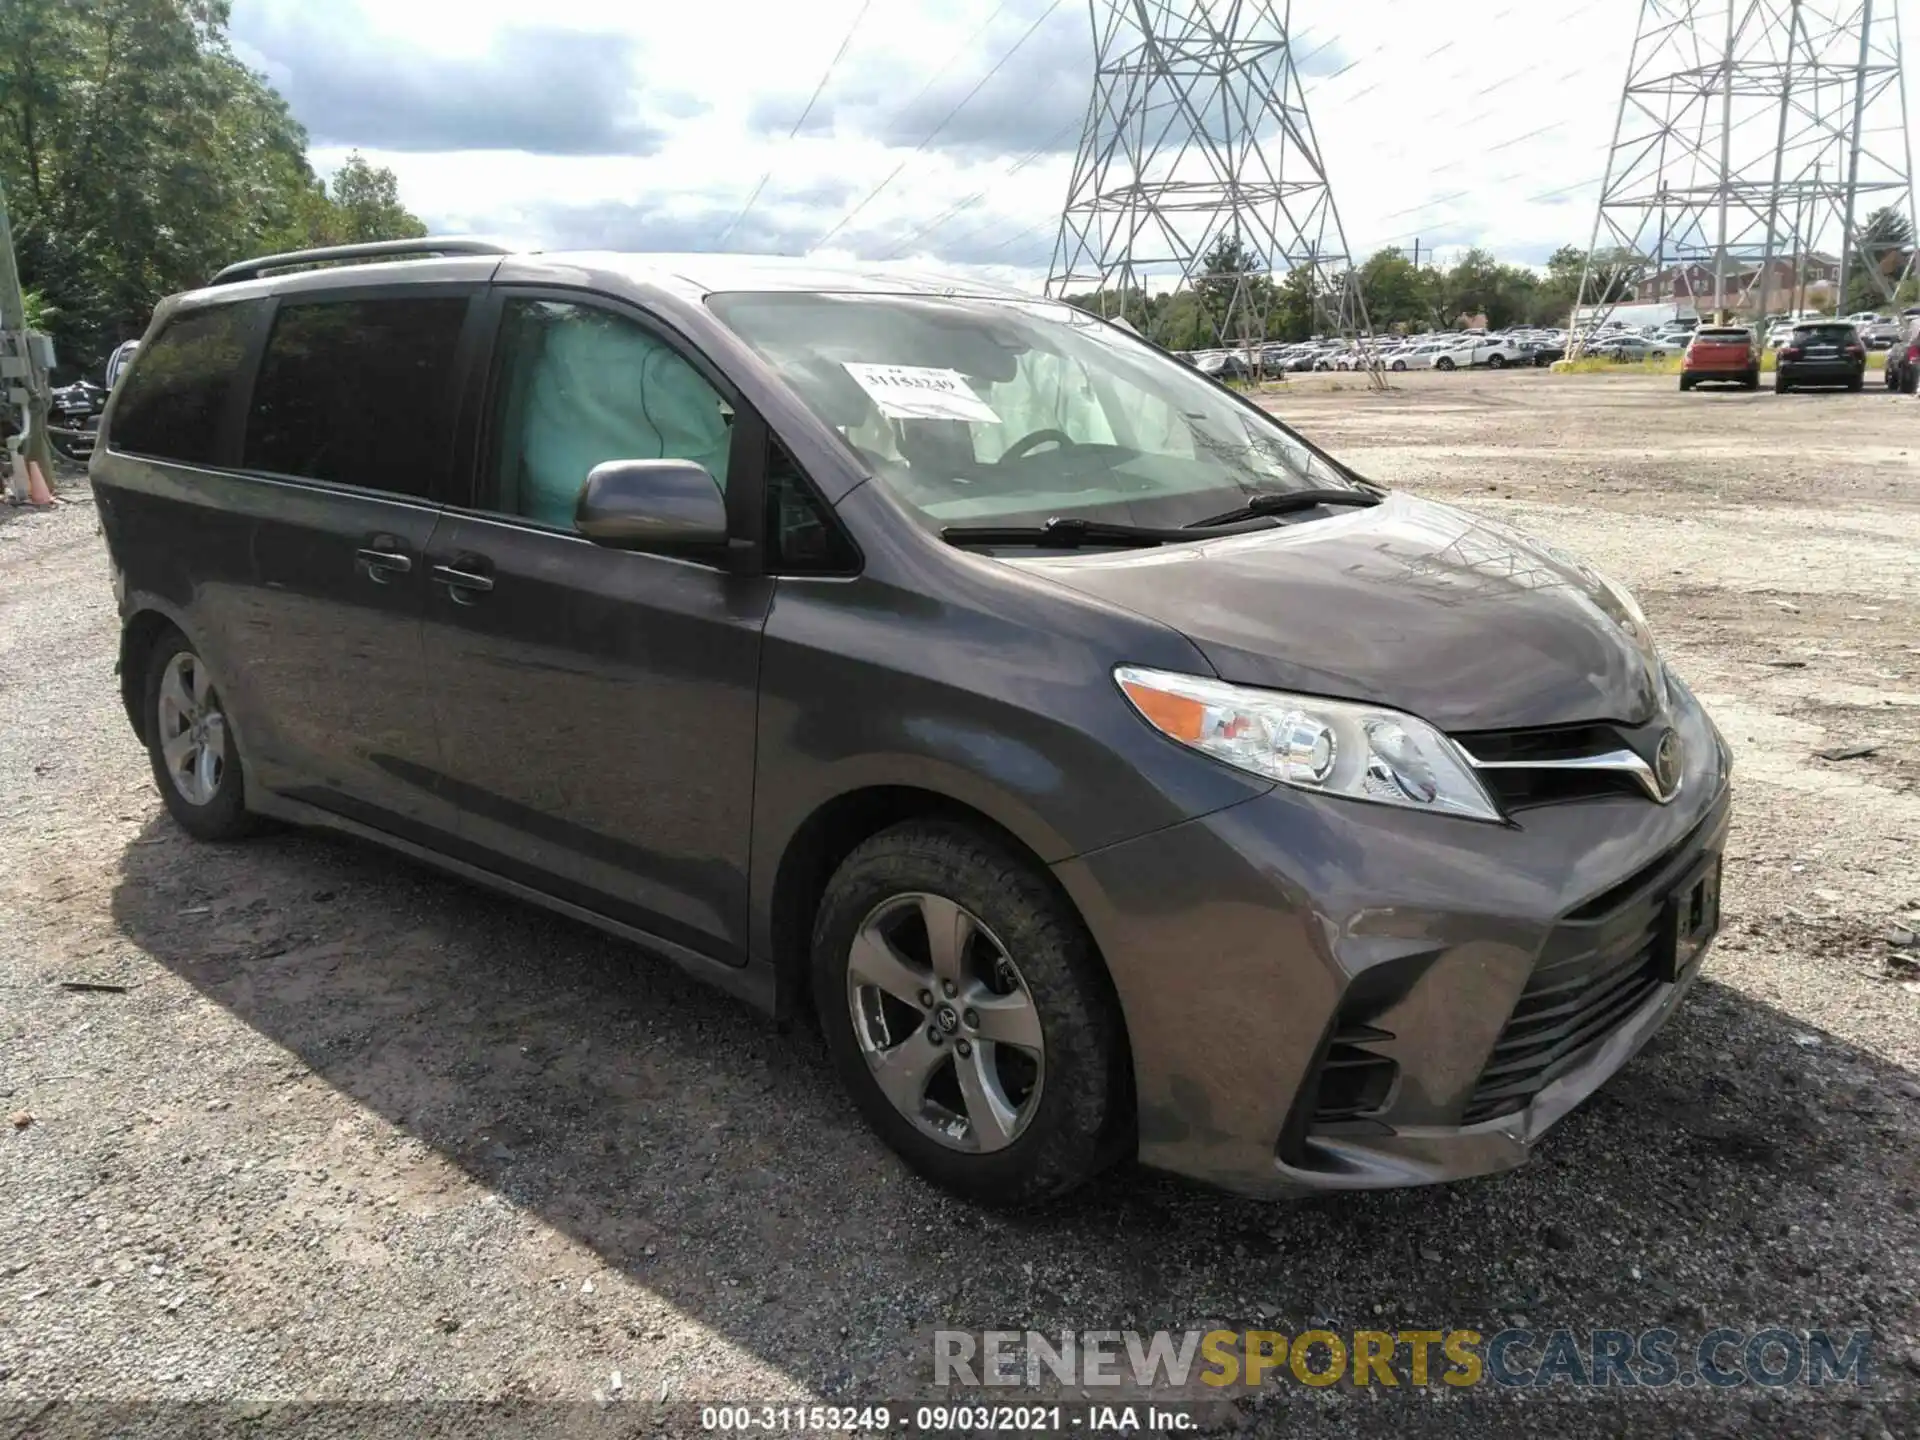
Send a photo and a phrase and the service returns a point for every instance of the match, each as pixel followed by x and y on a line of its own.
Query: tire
pixel 207 796
pixel 1686 382
pixel 1857 383
pixel 1496 362
pixel 1445 362
pixel 1891 377
pixel 1781 386
pixel 1399 366
pixel 1750 380
pixel 1072 1117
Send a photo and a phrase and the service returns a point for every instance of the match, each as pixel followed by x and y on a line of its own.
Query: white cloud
pixel 1454 121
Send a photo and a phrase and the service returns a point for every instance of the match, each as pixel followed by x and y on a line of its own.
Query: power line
pixel 934 133
pixel 954 209
pixel 812 100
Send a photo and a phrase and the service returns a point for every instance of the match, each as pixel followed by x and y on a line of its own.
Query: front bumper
pixel 1321 995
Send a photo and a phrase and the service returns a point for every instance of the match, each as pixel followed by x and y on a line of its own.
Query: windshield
pixel 996 412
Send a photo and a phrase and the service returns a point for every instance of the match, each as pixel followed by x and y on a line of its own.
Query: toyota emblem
pixel 1667 763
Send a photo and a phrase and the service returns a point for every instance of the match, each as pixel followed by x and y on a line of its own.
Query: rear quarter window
pixel 172 400
pixel 358 392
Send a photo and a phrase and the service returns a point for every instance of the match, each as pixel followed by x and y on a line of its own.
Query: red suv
pixel 1727 352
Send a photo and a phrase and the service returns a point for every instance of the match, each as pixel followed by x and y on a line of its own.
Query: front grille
pixel 1598 966
pixel 1564 1009
pixel 1516 789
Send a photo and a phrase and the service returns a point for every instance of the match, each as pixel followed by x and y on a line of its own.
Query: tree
pixel 140 156
pixel 366 204
pixel 1396 290
pixel 1886 242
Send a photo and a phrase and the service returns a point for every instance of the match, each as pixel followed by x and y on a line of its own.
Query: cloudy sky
pixel 649 125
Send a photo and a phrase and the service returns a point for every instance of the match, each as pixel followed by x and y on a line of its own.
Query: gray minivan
pixel 1111 770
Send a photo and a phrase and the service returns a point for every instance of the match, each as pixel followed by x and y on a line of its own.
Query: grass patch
pixel 1600 365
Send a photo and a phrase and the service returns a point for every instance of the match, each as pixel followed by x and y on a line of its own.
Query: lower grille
pixel 1564 1009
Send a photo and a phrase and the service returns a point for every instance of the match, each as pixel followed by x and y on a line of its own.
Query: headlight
pixel 1625 612
pixel 1331 746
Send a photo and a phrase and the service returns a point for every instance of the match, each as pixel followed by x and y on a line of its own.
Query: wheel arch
pixel 140 633
pixel 832 831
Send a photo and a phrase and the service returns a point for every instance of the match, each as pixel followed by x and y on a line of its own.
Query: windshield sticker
pixel 921 392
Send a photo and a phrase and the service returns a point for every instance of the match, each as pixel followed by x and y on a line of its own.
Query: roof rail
pixel 428 245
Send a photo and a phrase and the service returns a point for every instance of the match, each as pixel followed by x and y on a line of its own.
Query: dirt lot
pixel 356 1130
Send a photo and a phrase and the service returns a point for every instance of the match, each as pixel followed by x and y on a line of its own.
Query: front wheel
pixel 190 744
pixel 1399 366
pixel 968 1015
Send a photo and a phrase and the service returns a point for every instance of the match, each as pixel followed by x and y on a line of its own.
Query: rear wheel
pixel 1858 382
pixel 1686 382
pixel 968 1015
pixel 190 745
pixel 1399 365
pixel 1751 380
pixel 1443 363
pixel 1781 385
pixel 1496 362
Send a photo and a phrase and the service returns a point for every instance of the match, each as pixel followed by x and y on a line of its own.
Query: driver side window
pixel 575 386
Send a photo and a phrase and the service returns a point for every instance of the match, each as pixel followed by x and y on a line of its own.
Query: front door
pixel 597 707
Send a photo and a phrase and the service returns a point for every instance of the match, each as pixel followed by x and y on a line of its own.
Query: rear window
pixel 173 398
pixel 1838 333
pixel 1722 337
pixel 358 392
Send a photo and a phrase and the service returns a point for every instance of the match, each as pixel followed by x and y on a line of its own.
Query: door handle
pixel 382 565
pixel 462 585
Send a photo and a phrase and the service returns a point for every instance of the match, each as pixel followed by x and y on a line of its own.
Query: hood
pixel 1417 606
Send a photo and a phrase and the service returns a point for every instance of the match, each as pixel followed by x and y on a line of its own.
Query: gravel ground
pixel 353 1130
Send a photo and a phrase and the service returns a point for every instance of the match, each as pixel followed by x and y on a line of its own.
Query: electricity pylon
pixel 1198 133
pixel 1756 137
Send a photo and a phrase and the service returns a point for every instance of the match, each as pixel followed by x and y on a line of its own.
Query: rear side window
pixel 358 392
pixel 176 393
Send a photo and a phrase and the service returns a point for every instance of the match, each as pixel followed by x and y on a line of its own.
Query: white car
pixel 1493 351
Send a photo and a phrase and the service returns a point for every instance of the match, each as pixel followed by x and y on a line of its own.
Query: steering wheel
pixel 1018 449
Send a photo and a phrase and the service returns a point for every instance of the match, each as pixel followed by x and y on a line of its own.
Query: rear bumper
pixel 1822 372
pixel 1321 995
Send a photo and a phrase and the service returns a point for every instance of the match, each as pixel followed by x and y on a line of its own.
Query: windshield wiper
pixel 1066 531
pixel 1285 502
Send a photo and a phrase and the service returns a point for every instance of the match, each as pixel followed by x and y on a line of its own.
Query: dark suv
pixel 1109 769
pixel 1821 353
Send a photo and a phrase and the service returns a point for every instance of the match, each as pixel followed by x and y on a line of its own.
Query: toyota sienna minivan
pixel 1111 771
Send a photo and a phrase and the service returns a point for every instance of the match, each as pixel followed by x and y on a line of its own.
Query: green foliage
pixel 1886 240
pixel 140 156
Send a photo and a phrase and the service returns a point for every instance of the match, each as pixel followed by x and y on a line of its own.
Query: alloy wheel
pixel 193 730
pixel 946 1022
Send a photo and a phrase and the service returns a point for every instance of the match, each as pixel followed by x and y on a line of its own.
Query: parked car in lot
pixel 1903 360
pixel 802 625
pixel 1721 352
pixel 1467 352
pixel 1825 353
pixel 1540 353
pixel 1632 347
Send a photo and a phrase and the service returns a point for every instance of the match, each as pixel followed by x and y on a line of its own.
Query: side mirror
pixel 651 505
